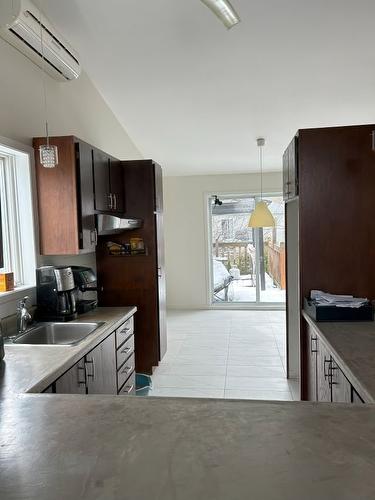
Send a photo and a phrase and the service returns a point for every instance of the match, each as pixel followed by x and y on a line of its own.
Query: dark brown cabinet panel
pixel 335 169
pixel 100 366
pixel 108 183
pixel 290 170
pixel 116 183
pixel 311 364
pixel 65 199
pixel 286 175
pixel 105 369
pixel 103 198
pixel 73 381
pixel 87 229
pixel 341 387
pixel 323 373
pixel 139 279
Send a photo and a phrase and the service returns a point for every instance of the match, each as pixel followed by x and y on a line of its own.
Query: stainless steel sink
pixel 57 333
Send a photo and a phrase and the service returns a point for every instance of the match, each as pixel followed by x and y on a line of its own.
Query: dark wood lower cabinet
pixel 341 387
pixel 100 367
pixel 324 380
pixel 323 373
pixel 311 365
pixel 73 381
pixel 109 368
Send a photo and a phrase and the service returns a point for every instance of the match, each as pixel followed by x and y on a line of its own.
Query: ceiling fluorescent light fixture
pixel 224 11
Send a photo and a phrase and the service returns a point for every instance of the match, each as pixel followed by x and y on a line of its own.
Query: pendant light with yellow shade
pixel 261 216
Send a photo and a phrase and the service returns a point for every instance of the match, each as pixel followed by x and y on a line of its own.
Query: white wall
pixel 74 108
pixel 185 230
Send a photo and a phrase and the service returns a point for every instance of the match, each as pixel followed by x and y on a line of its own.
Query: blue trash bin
pixel 143 384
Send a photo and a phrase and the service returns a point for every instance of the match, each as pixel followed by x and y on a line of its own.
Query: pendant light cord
pixel 43 76
pixel 261 171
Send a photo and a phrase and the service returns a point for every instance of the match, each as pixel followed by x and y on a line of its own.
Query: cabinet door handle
pixel 329 364
pixel 127 369
pixel 110 197
pixel 115 201
pixel 125 330
pixel 373 140
pixel 128 388
pixel 94 237
pixel 90 362
pixel 314 340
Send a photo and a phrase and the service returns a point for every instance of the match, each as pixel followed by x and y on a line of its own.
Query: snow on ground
pixel 243 290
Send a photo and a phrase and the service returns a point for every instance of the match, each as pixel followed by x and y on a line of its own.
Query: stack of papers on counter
pixel 327 299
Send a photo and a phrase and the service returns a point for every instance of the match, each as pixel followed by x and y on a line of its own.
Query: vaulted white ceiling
pixel 195 96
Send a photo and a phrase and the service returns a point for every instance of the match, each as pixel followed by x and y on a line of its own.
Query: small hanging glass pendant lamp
pixel 48 153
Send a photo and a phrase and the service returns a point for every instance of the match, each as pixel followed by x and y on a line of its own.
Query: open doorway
pixel 236 347
pixel 247 266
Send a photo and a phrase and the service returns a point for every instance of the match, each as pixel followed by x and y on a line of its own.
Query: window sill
pixel 15 294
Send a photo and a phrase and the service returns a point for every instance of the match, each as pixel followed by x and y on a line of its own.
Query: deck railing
pixel 235 253
pixel 275 263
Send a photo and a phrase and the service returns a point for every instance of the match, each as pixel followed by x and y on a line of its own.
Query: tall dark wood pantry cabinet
pixel 139 279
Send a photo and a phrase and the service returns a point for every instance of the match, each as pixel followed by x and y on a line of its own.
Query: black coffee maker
pixel 56 294
pixel 86 282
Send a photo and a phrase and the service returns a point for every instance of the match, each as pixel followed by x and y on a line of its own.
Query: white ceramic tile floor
pixel 225 354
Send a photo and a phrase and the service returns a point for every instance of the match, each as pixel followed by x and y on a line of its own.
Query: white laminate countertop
pixel 32 368
pixel 353 347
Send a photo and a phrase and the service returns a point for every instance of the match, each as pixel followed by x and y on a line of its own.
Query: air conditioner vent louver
pixel 23 27
pixel 53 36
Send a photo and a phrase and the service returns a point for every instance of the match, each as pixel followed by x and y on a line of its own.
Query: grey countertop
pixel 32 368
pixel 112 447
pixel 353 347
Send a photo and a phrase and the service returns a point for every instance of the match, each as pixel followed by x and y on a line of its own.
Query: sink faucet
pixel 23 315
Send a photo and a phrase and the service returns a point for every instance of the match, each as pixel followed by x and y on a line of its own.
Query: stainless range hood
pixel 110 224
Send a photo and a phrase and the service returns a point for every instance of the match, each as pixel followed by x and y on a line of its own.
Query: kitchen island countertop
pixel 108 448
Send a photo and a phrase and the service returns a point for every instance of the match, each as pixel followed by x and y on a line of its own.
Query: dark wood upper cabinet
pixel 290 170
pixel 65 199
pixel 116 183
pixel 85 181
pixel 108 183
pixel 101 181
pixel 86 217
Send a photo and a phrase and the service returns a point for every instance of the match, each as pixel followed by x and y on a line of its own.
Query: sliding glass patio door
pixel 247 265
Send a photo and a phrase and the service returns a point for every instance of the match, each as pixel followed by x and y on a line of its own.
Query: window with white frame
pixel 17 222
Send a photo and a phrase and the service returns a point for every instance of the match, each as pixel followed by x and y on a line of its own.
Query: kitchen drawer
pixel 124 331
pixel 129 387
pixel 125 351
pixel 126 369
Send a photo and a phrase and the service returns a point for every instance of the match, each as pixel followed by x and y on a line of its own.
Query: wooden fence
pixel 275 263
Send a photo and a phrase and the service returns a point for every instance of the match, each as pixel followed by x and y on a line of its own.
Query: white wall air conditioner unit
pixel 21 24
